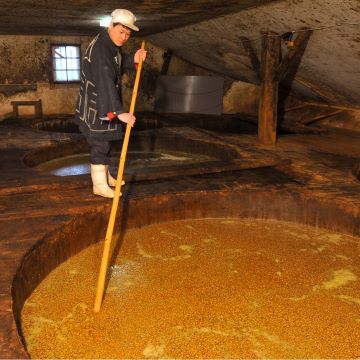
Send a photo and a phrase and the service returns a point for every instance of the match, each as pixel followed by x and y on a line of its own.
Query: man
pixel 99 109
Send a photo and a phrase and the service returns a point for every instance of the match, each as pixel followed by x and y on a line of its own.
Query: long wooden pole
pixel 115 203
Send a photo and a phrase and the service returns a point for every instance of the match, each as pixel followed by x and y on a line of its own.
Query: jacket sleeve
pixel 104 76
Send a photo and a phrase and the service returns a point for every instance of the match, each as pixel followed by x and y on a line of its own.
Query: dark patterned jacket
pixel 100 88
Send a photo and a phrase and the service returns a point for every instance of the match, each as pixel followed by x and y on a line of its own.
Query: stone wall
pixel 25 74
pixel 26 70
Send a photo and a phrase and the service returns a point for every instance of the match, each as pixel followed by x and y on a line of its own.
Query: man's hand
pixel 139 55
pixel 127 118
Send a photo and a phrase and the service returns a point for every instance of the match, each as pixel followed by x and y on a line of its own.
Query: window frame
pixel 52 63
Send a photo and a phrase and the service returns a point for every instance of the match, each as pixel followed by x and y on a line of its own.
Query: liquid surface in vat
pixel 79 164
pixel 207 288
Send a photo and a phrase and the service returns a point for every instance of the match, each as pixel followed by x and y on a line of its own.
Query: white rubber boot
pixel 99 180
pixel 111 180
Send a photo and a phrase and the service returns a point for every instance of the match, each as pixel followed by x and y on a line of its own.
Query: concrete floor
pixel 306 178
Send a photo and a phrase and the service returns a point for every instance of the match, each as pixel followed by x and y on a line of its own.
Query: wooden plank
pixel 26 102
pixel 252 55
pixel 213 167
pixel 270 58
pixel 294 53
pixel 333 106
pixel 312 119
pixel 325 94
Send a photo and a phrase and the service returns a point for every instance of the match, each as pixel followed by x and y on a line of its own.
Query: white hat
pixel 124 17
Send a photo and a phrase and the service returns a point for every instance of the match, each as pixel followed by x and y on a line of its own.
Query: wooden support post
pixel 15 109
pixel 270 59
pixel 38 109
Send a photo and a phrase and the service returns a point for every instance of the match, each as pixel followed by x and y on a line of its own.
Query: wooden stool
pixel 37 106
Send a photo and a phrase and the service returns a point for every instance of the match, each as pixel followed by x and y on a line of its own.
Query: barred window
pixel 65 63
